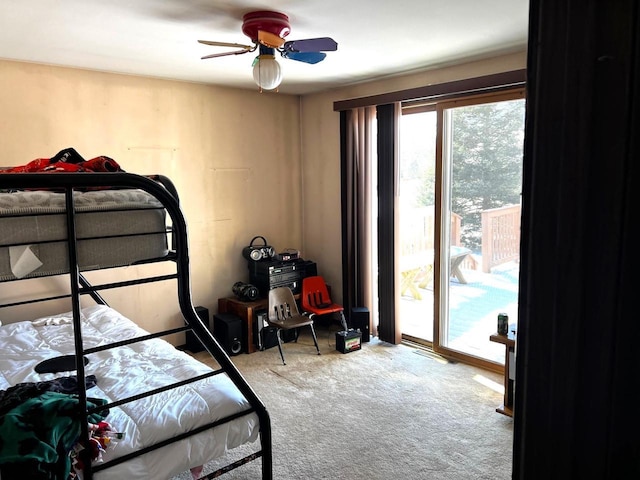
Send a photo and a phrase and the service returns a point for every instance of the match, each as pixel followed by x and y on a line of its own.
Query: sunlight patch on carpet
pixel 487 382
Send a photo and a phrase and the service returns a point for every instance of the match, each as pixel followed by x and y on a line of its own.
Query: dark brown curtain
pixel 357 178
pixel 576 396
pixel 389 296
pixel 369 143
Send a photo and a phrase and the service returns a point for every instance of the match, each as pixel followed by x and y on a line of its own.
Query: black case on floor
pixel 193 344
pixel 269 337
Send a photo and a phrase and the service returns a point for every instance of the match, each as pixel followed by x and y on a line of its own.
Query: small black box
pixel 269 337
pixel 348 341
pixel 360 321
pixel 307 268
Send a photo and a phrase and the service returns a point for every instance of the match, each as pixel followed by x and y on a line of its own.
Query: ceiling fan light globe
pixel 266 72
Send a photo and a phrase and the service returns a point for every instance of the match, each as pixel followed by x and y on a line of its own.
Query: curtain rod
pixel 440 91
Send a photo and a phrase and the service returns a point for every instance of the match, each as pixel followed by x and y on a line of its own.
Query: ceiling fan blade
pixel 241 48
pixel 306 57
pixel 224 54
pixel 269 39
pixel 226 44
pixel 322 44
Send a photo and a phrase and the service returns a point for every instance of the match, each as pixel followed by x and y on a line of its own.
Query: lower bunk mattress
pixel 113 227
pixel 129 370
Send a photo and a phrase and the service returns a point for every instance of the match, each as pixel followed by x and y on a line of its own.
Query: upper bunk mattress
pixel 113 227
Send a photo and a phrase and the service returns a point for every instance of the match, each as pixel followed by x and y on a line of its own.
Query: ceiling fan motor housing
pixel 275 23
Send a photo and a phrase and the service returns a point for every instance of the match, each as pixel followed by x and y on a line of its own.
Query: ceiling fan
pixel 267 30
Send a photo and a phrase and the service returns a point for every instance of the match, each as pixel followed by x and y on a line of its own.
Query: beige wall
pixel 236 157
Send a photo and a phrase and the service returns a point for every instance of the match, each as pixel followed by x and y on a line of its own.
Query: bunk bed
pixel 165 412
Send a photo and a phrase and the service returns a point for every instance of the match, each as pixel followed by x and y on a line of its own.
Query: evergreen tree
pixel 487 153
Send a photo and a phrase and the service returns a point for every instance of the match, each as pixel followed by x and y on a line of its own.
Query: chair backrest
pixel 282 304
pixel 314 293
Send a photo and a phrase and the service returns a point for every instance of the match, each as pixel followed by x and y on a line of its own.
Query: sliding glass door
pixel 417 174
pixel 482 148
pixel 460 222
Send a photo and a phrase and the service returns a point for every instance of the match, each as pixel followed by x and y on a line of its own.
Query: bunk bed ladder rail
pixel 74 278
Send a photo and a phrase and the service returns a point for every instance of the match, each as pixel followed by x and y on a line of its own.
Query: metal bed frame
pixel 163 189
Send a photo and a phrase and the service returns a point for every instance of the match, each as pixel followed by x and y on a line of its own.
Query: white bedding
pixel 129 370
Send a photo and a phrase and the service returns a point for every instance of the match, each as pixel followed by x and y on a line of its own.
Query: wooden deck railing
pixel 417 230
pixel 500 236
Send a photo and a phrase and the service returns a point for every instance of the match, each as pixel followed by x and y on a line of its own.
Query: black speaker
pixel 360 321
pixel 193 344
pixel 227 328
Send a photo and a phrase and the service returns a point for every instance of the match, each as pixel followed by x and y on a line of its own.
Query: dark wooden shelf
pixel 509 341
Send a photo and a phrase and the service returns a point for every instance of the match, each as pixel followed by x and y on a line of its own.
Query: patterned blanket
pixel 39 427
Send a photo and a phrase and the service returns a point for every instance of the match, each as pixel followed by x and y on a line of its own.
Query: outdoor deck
pixel 482 284
pixel 474 308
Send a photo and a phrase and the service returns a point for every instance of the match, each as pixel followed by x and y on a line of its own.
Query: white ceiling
pixel 158 38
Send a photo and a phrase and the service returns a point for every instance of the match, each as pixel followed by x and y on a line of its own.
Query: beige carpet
pixel 384 412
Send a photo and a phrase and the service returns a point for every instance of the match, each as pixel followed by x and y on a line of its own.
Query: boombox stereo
pixel 258 252
pixel 245 291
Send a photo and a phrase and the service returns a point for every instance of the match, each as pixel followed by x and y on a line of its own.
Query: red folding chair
pixel 315 299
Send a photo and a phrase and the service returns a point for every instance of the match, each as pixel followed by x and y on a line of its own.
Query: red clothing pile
pixel 68 160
